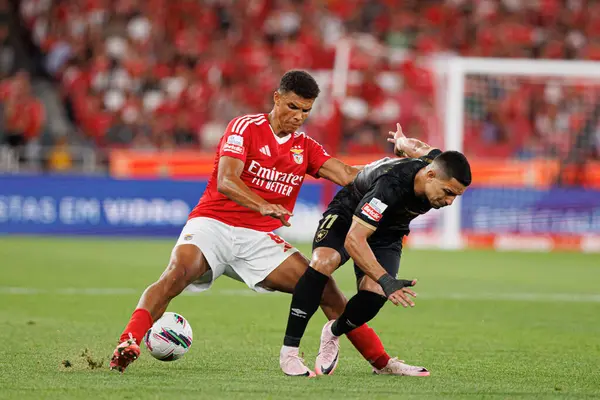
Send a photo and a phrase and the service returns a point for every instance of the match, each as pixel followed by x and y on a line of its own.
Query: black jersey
pixel 382 196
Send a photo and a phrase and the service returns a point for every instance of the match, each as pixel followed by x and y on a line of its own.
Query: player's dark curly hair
pixel 455 165
pixel 301 83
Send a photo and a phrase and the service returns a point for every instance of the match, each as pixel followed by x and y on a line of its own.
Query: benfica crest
pixel 298 156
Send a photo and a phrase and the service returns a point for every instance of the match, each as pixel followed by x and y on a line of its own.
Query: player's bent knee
pixel 325 260
pixel 187 264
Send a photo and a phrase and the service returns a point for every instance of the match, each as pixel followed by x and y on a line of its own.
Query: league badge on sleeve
pixel 297 154
pixel 234 144
pixel 374 209
pixel 236 140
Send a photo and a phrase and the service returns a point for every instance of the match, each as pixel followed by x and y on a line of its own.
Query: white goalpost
pixel 456 71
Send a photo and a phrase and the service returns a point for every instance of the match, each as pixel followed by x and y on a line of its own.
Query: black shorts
pixel 332 231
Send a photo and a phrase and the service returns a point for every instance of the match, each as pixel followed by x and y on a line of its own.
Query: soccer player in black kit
pixel 366 221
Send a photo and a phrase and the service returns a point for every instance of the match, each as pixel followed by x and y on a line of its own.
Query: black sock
pixel 305 302
pixel 361 308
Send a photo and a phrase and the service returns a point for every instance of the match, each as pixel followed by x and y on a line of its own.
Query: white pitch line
pixel 66 291
pixel 531 297
pixel 521 297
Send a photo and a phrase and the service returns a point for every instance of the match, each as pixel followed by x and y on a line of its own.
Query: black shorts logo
pixel 321 235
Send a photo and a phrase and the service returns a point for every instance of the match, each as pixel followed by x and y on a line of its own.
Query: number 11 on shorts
pixel 328 221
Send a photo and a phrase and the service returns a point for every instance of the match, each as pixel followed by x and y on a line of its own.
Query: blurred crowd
pixel 21 113
pixel 161 74
pixel 532 118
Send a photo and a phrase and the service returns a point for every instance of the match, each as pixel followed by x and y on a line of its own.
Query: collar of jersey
pixel 280 140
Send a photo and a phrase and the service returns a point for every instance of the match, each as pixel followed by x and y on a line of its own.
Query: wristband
pixel 388 284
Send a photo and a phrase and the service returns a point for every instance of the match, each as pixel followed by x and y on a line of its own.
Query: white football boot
pixel 291 364
pixel 329 351
pixel 398 367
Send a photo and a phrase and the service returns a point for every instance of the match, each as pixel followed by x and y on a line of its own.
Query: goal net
pixel 531 130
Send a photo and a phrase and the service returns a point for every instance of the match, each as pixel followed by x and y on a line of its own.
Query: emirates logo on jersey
pixel 297 154
pixel 273 180
pixel 272 174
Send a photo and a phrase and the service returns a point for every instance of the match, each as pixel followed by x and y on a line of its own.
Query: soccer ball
pixel 169 338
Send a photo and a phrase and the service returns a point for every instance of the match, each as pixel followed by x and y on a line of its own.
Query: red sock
pixel 138 325
pixel 369 345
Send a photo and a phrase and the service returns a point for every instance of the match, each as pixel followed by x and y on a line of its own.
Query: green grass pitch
pixel 487 325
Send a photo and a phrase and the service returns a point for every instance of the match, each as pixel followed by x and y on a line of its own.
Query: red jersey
pixel 274 168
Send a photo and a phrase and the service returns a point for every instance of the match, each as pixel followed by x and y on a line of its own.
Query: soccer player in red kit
pixel 259 168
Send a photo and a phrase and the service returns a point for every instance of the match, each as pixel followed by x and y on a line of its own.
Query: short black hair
pixel 454 165
pixel 301 83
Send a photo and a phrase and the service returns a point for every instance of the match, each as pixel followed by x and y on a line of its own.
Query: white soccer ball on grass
pixel 169 338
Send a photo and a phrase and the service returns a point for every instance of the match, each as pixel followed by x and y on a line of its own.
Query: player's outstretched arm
pixel 231 185
pixel 408 147
pixel 338 172
pixel 358 248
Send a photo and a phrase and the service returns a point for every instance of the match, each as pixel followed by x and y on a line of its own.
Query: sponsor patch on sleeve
pixel 236 140
pixel 378 204
pixel 233 148
pixel 374 209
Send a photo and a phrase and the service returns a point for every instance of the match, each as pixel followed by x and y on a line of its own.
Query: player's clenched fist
pixel 396 290
pixel 276 211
